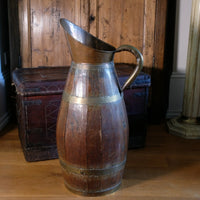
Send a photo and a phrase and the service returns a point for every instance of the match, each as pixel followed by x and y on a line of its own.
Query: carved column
pixel 188 125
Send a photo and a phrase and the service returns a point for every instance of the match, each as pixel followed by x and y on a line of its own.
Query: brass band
pixel 87 66
pixel 92 172
pixel 91 100
pixel 93 192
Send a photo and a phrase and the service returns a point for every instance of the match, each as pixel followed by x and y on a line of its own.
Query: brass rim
pixel 88 66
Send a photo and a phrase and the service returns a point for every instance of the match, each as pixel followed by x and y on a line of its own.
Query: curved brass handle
pixel 139 66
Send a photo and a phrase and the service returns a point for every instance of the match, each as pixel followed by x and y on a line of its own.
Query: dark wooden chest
pixel 39 92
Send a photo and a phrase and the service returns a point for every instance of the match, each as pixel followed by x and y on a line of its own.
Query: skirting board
pixel 176 92
pixel 4 120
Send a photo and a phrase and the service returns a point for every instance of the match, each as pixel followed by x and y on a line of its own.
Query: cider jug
pixel 92 126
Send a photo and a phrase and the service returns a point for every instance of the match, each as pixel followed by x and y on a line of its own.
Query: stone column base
pixel 188 131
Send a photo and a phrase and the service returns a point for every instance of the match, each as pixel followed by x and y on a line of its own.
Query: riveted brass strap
pixel 91 100
pixel 88 66
pixel 92 172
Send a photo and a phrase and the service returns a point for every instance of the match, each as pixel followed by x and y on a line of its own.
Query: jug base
pixel 93 193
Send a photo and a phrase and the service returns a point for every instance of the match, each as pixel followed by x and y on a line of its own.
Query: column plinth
pixel 188 125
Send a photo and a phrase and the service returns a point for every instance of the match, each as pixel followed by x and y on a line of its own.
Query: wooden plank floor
pixel 168 168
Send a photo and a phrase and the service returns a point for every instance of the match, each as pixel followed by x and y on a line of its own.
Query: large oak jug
pixel 92 127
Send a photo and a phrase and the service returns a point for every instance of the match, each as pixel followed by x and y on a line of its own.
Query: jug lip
pixel 100 42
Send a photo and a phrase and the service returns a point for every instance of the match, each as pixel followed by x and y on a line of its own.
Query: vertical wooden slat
pixel 132 23
pixel 149 27
pixel 132 27
pixel 160 27
pixel 84 10
pixel 14 37
pixel 116 28
pixel 109 26
pixel 24 28
pixel 93 17
pixel 37 26
pixel 77 13
pixel 68 11
pixel 110 21
pixel 104 12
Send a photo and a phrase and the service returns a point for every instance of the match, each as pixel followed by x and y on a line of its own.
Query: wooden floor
pixel 168 168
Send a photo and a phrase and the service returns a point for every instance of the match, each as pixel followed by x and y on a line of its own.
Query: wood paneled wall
pixel 140 23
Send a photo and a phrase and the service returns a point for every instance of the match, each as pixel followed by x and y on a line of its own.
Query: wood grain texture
pixel 46 37
pixel 159 47
pixel 25 32
pixel 140 23
pixel 92 131
pixel 93 17
pixel 167 169
pixel 149 32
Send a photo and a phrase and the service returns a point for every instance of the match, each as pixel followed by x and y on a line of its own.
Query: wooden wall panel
pixel 47 37
pixel 114 21
pixel 42 38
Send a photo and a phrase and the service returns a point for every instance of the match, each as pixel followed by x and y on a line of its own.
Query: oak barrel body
pixel 92 130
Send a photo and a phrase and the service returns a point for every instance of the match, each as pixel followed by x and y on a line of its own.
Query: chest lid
pixel 40 80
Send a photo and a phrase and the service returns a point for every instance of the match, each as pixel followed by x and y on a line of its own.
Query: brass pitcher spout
pixel 85 48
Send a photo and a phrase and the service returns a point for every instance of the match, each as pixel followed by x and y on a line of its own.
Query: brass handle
pixel 139 66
